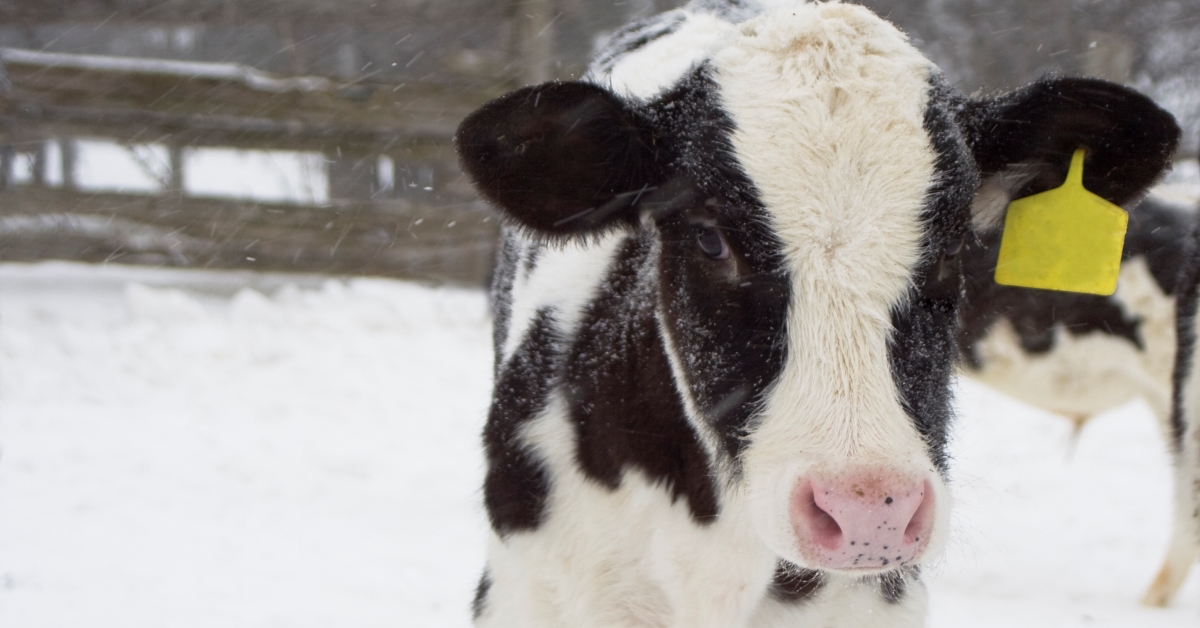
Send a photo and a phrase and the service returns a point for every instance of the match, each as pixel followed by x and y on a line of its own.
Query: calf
pixel 726 309
pixel 1079 354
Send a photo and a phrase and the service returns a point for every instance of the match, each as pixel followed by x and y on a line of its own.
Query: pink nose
pixel 866 520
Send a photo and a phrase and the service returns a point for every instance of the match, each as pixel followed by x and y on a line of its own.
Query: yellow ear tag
pixel 1063 239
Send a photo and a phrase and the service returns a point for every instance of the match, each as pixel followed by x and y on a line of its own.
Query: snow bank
pixel 305 457
pixel 179 450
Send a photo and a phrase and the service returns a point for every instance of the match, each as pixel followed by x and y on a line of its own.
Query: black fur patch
pixel 623 402
pixel 481 593
pixel 1186 303
pixel 893 586
pixel 921 350
pixel 516 486
pixel 532 256
pixel 726 328
pixel 794 584
pixel 725 318
pixel 1162 233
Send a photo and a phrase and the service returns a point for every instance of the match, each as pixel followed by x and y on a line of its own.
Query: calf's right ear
pixel 560 159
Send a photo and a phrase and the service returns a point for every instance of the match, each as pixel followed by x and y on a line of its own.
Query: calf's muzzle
pixel 865 520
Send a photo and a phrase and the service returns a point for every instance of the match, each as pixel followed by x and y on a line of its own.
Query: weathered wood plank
pixel 364 12
pixel 397 239
pixel 135 107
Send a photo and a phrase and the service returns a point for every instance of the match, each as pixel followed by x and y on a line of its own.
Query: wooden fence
pixel 366 84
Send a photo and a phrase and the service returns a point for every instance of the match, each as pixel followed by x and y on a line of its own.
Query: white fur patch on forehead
pixel 828 103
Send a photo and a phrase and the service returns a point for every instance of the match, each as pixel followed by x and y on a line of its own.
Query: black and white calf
pixel 726 313
pixel 1080 355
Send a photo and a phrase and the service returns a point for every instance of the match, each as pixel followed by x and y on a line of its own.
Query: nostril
pixel 824 528
pixel 918 525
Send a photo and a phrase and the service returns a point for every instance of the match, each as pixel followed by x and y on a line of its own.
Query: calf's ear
pixel 1023 141
pixel 559 159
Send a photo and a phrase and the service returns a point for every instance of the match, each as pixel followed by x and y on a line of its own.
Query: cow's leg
pixel 897 600
pixel 1180 423
pixel 1183 546
pixel 1182 549
pixel 1184 436
pixel 1165 321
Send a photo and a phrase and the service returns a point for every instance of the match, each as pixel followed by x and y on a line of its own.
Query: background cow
pixel 1080 355
pixel 726 312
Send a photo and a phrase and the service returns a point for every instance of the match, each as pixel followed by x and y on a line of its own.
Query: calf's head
pixel 806 188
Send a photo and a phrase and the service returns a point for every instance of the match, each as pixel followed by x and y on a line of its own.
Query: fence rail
pixel 452 244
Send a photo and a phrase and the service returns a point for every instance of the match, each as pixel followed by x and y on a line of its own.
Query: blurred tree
pixel 987 45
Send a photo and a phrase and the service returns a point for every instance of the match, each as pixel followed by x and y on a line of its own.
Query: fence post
pixel 69 153
pixel 175 163
pixel 352 177
pixel 6 164
pixel 39 164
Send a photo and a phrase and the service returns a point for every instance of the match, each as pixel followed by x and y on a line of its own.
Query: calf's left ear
pixel 1023 141
pixel 560 158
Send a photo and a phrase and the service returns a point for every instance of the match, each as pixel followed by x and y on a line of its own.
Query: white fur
pixel 565 277
pixel 660 63
pixel 994 195
pixel 829 102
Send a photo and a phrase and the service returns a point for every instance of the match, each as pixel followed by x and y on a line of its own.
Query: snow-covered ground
pixel 179 450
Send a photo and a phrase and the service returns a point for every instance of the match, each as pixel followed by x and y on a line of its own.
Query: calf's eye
pixel 713 243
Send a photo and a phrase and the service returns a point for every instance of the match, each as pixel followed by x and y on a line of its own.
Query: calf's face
pixel 806 189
